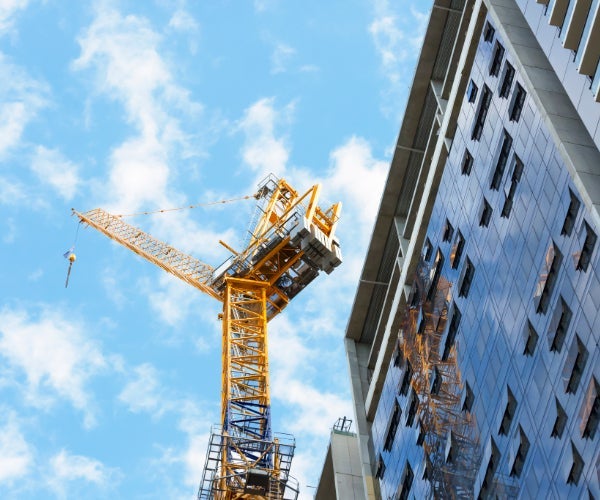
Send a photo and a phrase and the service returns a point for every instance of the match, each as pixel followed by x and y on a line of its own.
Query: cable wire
pixel 165 210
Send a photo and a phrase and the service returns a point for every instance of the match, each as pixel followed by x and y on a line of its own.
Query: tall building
pixel 473 339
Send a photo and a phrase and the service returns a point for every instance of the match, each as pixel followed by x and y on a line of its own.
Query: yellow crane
pixel 291 242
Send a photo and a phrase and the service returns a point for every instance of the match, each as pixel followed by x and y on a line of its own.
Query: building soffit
pixel 400 184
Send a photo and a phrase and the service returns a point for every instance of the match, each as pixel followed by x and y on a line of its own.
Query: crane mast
pixel 292 240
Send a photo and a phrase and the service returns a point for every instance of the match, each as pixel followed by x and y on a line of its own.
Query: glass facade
pixel 509 281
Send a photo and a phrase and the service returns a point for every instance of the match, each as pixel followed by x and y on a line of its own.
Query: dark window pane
pixel 482 111
pixel 467 163
pixel 507 80
pixel 572 212
pixel 514 110
pixel 496 63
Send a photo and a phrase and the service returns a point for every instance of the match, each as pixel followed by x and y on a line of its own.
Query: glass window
pixel 559 326
pixel 405 384
pixel 451 447
pixel 516 105
pixel 380 471
pixel 574 365
pixel 590 410
pixel 406 483
pixel 467 163
pixel 486 214
pixel 435 274
pixel 482 111
pixel 457 250
pixel 392 427
pixel 436 381
pixel 507 80
pixel 412 408
pixel 497 59
pixel 548 277
pixel 488 32
pixel 576 467
pixel 468 398
pixel 502 160
pixel 509 412
pixel 448 231
pixel 427 250
pixel 531 338
pixel 588 248
pixel 472 91
pixel 517 171
pixel 572 212
pixel 421 435
pixel 560 422
pixel 398 357
pixel 487 484
pixel 465 284
pixel 521 454
pixel 421 323
pixel 452 331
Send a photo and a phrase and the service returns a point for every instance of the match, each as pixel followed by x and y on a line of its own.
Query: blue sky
pixel 109 388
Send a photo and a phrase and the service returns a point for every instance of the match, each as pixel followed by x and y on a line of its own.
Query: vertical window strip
pixel 585 255
pixel 482 111
pixel 507 80
pixel 571 216
pixel 518 101
pixel 517 172
pixel 501 162
pixel 452 331
pixel 467 163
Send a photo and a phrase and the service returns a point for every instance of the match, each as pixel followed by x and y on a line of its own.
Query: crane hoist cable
pixel 187 207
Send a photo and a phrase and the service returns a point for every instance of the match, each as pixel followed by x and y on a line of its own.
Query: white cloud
pixel 263 5
pixel 143 393
pixel 124 52
pixel 139 174
pixel 53 354
pixel 71 467
pixel 21 97
pixel 51 166
pixel 112 287
pixel 183 21
pixel 8 10
pixel 36 275
pixel 10 233
pixel 388 40
pixel 309 68
pixel 11 193
pixel 397 38
pixel 172 300
pixel 356 178
pixel 196 424
pixel 263 152
pixel 280 57
pixel 70 476
pixel 16 455
pixel 294 384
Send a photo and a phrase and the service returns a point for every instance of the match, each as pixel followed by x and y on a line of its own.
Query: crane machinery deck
pixel 291 242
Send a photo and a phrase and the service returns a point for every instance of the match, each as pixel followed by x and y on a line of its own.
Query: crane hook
pixel 70 255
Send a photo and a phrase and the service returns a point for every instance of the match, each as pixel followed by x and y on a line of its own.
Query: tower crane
pixel 292 240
